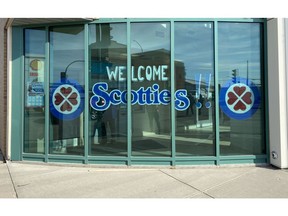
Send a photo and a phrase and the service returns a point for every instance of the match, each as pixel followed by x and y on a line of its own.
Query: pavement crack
pixel 23 185
pixel 14 188
pixel 191 186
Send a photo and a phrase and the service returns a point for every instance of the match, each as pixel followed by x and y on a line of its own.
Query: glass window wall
pixel 239 51
pixel 108 86
pixel 151 87
pixel 34 108
pixel 240 84
pixel 194 72
pixel 67 90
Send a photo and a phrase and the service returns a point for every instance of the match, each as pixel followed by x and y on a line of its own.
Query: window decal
pixel 66 99
pixel 239 98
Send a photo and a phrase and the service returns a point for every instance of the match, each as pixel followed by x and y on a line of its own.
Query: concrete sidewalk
pixel 30 180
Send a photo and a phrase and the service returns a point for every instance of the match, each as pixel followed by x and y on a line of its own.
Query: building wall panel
pixel 3 85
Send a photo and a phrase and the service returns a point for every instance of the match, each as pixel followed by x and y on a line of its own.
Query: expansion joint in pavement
pixel 14 188
pixel 191 186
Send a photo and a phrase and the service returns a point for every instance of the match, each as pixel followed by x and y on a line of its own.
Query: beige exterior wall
pixel 3 86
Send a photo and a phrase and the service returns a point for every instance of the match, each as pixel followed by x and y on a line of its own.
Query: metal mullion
pixel 129 108
pixel 47 81
pixel 196 158
pixel 172 74
pixel 217 126
pixel 266 87
pixel 239 20
pixel 22 101
pixel 86 97
pixel 135 20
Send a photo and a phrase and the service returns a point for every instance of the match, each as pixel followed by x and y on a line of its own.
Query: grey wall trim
pixel 277 81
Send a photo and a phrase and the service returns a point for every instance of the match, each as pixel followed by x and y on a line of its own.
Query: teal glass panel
pixel 194 72
pixel 34 110
pixel 67 84
pixel 151 87
pixel 107 89
pixel 240 89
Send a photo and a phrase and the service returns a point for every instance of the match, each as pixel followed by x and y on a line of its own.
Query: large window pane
pixel 240 83
pixel 194 72
pixel 67 90
pixel 151 118
pixel 34 112
pixel 107 82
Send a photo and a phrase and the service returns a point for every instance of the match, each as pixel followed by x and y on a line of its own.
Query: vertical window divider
pixel 46 81
pixel 217 126
pixel 172 76
pixel 23 97
pixel 86 98
pixel 129 108
pixel 265 84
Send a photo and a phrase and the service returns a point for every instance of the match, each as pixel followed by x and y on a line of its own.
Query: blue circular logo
pixel 239 99
pixel 66 99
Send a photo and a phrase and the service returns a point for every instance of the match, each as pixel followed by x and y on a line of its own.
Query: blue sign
pixel 36 87
pixel 239 98
pixel 101 100
pixel 66 99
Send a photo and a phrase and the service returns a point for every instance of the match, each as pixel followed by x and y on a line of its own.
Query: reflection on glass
pixel 108 116
pixel 66 90
pixel 150 73
pixel 240 75
pixel 34 114
pixel 194 71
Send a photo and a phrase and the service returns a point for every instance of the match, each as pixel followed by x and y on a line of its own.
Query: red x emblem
pixel 66 99
pixel 239 98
